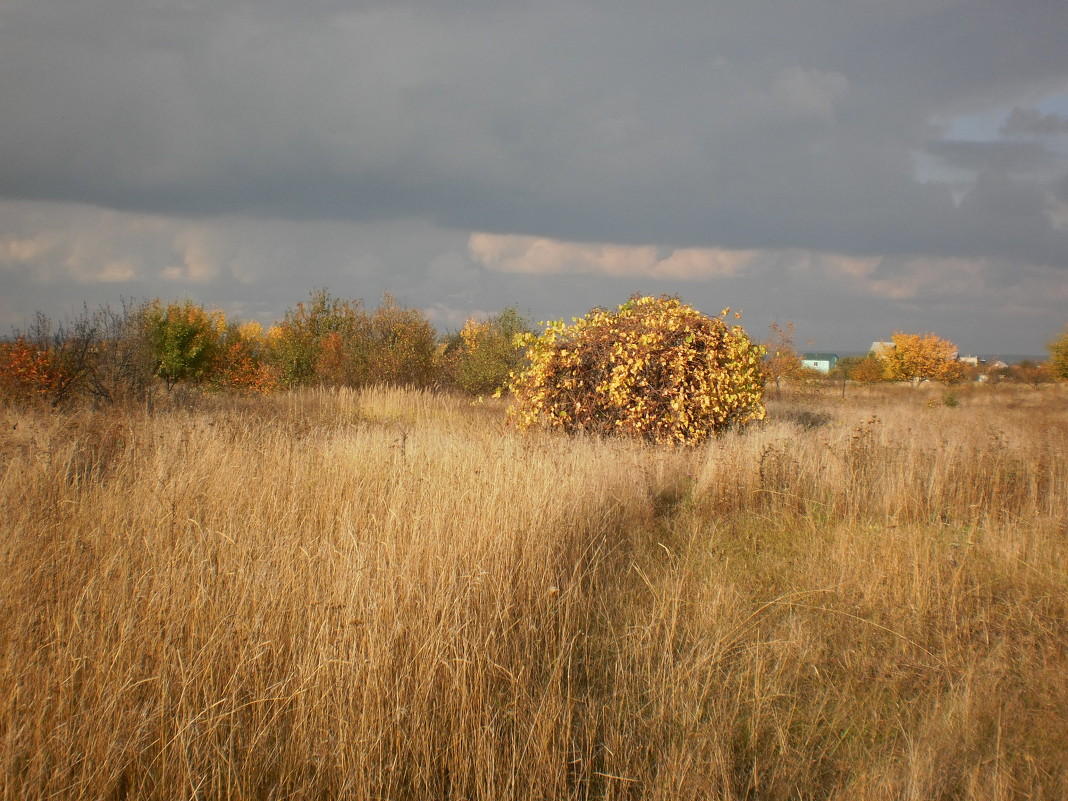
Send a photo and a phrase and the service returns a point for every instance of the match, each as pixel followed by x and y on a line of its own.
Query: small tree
pixel 401 345
pixel 1029 372
pixel 184 340
pixel 30 372
pixel 918 357
pixel 481 356
pixel 1058 355
pixel 867 370
pixel 101 355
pixel 124 369
pixel 783 360
pixel 316 342
pixel 655 369
pixel 243 364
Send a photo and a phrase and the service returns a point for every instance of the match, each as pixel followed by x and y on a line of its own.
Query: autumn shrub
pixel 1058 355
pixel 100 355
pixel 316 342
pixel 123 367
pixel 481 356
pixel 1026 372
pixel 655 369
pixel 400 347
pixel 29 372
pixel 335 342
pixel 243 364
pixel 868 370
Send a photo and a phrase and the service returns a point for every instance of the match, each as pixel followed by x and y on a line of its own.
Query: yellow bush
pixel 655 368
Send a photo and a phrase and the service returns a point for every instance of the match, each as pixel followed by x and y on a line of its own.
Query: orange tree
pixel 243 366
pixel 782 360
pixel 29 371
pixel 55 363
pixel 868 370
pixel 1058 355
pixel 916 357
pixel 99 354
pixel 655 368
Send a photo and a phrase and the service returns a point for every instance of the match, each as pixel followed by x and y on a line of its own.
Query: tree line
pixel 909 357
pixel 126 354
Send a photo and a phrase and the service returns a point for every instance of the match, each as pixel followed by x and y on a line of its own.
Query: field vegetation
pixel 382 593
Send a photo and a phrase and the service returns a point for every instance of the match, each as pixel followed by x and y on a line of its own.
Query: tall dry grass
pixel 388 595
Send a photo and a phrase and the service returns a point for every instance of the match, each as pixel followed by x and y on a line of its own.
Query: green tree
pixel 184 340
pixel 480 357
pixel 1058 355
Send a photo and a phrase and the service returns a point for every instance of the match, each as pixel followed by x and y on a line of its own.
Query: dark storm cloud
pixel 1018 157
pixel 1032 122
pixel 736 124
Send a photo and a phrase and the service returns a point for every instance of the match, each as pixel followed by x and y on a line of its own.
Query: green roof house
pixel 823 362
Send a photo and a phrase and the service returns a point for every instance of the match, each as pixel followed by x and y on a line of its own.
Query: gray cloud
pixel 781 127
pixel 372 110
pixel 1032 122
pixel 1016 157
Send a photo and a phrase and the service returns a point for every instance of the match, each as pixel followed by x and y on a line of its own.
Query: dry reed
pixel 387 595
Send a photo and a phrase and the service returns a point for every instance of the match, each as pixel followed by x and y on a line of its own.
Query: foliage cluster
pixel 867 370
pixel 655 369
pixel 919 357
pixel 913 357
pixel 336 342
pixel 29 372
pixel 185 340
pixel 245 365
pixel 782 359
pixel 102 355
pixel 125 355
pixel 1058 355
pixel 479 359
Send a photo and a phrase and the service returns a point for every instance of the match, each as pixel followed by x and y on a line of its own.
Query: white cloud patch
pixel 543 256
pixel 14 251
pixel 908 279
pixel 199 264
pixel 851 266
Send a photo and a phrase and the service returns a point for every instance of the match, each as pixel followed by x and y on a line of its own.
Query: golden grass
pixel 388 595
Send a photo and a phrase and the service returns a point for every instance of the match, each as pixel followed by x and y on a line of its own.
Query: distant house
pixel 880 349
pixel 823 362
pixel 974 361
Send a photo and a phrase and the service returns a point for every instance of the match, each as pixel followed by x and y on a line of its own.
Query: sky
pixel 856 167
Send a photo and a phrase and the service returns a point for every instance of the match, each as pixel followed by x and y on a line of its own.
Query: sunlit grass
pixel 389 594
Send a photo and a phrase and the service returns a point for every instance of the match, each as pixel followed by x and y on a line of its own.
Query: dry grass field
pixel 389 595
